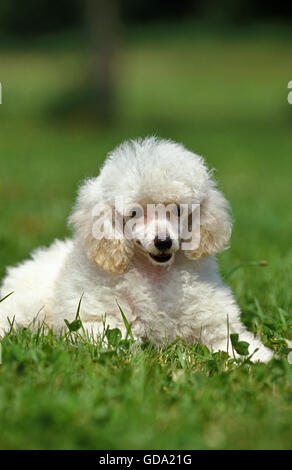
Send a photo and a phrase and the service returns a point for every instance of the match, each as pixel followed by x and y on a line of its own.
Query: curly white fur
pixel 184 298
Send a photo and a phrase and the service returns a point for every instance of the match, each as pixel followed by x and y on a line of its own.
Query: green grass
pixel 224 96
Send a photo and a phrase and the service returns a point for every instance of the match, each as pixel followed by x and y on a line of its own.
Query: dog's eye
pixel 177 212
pixel 136 213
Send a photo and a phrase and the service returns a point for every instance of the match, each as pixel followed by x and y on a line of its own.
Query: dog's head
pixel 152 198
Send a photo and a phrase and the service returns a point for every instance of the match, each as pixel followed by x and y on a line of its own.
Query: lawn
pixel 224 95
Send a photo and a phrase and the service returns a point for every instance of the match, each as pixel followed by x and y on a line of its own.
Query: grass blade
pixel 126 323
pixel 6 296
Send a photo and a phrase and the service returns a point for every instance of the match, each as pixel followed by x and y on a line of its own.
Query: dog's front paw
pixel 261 354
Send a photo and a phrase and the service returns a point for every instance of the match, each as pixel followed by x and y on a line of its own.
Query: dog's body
pixel 165 293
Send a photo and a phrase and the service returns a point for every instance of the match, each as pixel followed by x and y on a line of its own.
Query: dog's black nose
pixel 163 243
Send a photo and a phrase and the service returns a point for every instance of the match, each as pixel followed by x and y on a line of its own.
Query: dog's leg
pixel 219 338
pixel 223 321
pixel 256 349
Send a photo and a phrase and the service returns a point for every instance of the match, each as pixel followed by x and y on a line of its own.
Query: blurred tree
pixel 32 18
pixel 102 21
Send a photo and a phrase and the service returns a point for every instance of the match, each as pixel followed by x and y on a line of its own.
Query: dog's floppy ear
pixel 215 225
pixel 92 220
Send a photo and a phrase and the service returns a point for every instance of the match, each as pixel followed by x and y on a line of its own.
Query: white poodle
pixel 166 292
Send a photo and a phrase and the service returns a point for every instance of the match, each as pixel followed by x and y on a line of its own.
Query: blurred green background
pixel 80 77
